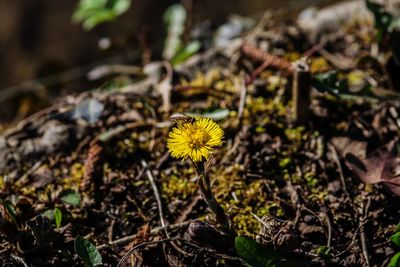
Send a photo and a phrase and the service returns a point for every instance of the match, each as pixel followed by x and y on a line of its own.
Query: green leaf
pixel 324 251
pixel 395 239
pixel 175 13
pixel 174 18
pixel 185 53
pixel 395 260
pixel 327 82
pixel 87 8
pixel 57 217
pixel 398 228
pixel 93 12
pixel 121 6
pixel 217 115
pixel 10 210
pixel 49 214
pixel 385 23
pixel 330 82
pixel 395 24
pixel 87 252
pixel 97 18
pixel 383 19
pixel 256 254
pixel 71 197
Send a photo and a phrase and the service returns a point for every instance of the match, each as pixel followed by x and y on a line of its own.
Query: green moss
pixel 244 222
pixel 266 106
pixel 295 134
pixel 180 187
pixel 296 179
pixel 28 191
pixel 318 195
pixel 76 175
pixel 126 147
pixel 260 129
pixel 319 64
pixel 2 182
pixel 311 179
pixel 284 163
pixel 274 210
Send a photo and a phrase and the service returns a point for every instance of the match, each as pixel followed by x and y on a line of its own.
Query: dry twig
pixel 363 237
pixel 262 56
pixel 126 239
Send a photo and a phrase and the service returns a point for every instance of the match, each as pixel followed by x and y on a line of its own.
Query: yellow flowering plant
pixel 195 138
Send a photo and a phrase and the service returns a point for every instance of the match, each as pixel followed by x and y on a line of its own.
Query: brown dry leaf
pixel 394 185
pixel 42 177
pixel 164 88
pixel 142 235
pixel 381 166
pixel 345 145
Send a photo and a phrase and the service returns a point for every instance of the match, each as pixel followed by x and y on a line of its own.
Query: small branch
pixel 329 225
pixel 188 209
pixel 301 92
pixel 353 240
pixel 242 101
pixel 339 62
pixel 19 260
pixel 172 239
pixel 111 133
pixel 105 70
pixel 214 253
pixel 362 234
pixel 255 73
pixel 262 56
pixel 155 191
pixel 159 206
pixel 126 239
pixel 31 170
pixel 337 160
pixel 269 227
pixel 122 260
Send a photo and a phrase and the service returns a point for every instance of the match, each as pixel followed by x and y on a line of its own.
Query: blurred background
pixel 47 47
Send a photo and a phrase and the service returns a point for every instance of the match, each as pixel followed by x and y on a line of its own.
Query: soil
pixel 308 166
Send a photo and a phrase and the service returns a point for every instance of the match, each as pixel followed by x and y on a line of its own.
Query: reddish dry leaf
pixel 381 166
pixel 394 185
pixel 345 145
pixel 142 235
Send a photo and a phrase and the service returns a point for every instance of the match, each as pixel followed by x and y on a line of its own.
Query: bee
pixel 180 118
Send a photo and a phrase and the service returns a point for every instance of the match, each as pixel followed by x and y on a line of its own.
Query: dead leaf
pixel 142 235
pixel 394 185
pixel 164 88
pixel 42 176
pixel 381 166
pixel 162 85
pixel 345 145
pixel 89 110
pixel 131 115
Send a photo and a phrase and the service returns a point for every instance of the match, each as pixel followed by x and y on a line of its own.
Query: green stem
pixel 208 196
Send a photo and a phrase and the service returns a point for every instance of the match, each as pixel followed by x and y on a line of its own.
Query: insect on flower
pixel 178 118
pixel 194 138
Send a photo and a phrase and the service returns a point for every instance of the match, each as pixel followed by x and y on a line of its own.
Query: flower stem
pixel 208 196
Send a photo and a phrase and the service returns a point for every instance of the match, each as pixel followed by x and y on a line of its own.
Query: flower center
pixel 197 137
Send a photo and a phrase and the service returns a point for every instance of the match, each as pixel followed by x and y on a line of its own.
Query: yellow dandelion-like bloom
pixel 194 139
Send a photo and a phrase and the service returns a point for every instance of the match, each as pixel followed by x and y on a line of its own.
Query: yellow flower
pixel 194 139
